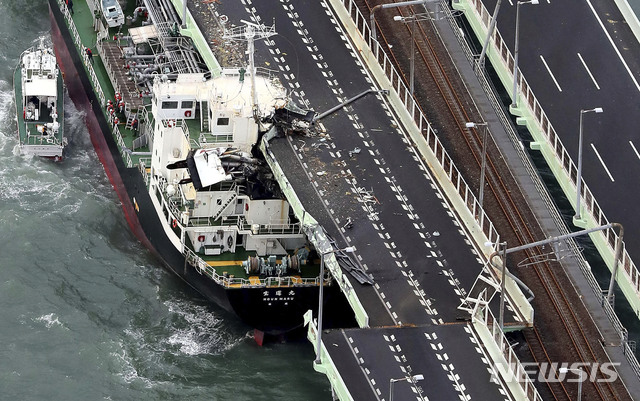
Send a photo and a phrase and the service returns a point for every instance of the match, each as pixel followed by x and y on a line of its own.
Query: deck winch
pixel 270 266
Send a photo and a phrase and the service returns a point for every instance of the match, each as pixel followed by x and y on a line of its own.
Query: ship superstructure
pixel 180 145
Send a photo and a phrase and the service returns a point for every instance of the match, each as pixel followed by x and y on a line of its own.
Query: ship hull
pixel 271 310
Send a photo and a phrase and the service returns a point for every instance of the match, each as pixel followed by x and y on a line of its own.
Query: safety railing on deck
pixel 630 270
pixel 144 163
pixel 443 158
pixel 122 146
pixel 274 282
pixel 94 79
pixel 81 49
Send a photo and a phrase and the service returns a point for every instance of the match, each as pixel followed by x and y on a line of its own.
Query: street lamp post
pixel 579 372
pixel 413 19
pixel 372 19
pixel 413 379
pixel 349 249
pixel 484 157
pixel 579 180
pixel 514 99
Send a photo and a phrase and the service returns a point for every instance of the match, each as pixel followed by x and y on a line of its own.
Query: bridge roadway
pixel 583 56
pixel 405 233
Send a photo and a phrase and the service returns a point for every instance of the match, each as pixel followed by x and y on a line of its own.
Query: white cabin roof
pixel 225 91
pixel 40 87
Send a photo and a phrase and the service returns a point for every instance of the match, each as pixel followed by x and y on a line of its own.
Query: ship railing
pixel 397 85
pixel 144 163
pixel 260 72
pixel 42 140
pixel 280 227
pixel 180 123
pixel 203 267
pixel 207 139
pixel 83 54
pixel 122 146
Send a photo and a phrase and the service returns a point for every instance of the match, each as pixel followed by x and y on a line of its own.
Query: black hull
pixel 271 310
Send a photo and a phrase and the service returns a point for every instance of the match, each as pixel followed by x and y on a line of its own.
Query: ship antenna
pixel 250 32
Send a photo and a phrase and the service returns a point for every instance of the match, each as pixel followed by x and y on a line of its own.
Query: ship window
pixel 223 121
pixel 169 105
pixel 187 104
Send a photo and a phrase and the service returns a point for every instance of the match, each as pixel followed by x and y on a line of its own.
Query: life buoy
pixel 201 238
pixel 187 113
pixel 230 242
pixel 174 223
pixel 171 123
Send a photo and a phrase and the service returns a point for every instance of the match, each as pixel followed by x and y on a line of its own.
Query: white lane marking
pixel 613 44
pixel 588 71
pixel 634 149
pixel 550 73
pixel 602 162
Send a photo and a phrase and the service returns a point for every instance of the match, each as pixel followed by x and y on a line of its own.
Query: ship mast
pixel 250 32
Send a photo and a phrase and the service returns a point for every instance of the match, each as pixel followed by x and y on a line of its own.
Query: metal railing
pixel 78 42
pixel 444 160
pixel 630 270
pixel 122 146
pixel 541 188
pixel 143 164
pixel 482 315
pixel 275 282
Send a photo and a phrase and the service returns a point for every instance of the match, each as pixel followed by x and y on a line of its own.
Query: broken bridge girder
pixel 349 101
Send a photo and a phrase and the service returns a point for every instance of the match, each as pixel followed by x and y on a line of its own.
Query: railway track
pixel 550 293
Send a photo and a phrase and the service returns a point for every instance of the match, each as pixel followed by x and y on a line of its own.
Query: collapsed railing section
pixel 501 353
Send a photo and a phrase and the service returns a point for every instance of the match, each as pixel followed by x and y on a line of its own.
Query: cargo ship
pixel 178 141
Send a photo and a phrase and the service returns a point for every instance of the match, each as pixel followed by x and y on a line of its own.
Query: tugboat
pixel 38 89
pixel 179 139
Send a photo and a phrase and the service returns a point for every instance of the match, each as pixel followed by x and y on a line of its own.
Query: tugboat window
pixel 187 105
pixel 223 121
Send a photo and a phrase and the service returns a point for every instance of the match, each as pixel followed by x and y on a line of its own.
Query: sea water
pixel 86 313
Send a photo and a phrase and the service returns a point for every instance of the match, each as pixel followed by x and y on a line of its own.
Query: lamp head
pixel 470 125
pixel 397 18
pixel 534 2
pixel 598 110
pixel 418 377
pixel 349 249
pixel 563 370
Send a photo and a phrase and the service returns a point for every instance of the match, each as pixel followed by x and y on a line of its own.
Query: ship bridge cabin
pixel 210 186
